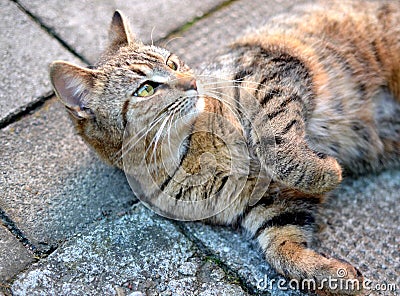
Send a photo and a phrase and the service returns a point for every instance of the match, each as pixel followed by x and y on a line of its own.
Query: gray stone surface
pixel 26 50
pixel 363 226
pixel 205 38
pixel 51 183
pixel 84 24
pixel 137 253
pixel 13 256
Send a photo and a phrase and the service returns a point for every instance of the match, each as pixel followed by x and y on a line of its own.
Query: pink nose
pixel 193 84
pixel 187 83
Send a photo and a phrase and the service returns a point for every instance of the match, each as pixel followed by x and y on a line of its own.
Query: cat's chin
pixel 194 106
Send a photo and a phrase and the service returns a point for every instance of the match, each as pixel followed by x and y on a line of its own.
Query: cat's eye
pixel 145 90
pixel 172 65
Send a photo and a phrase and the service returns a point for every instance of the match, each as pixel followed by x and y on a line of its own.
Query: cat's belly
pixel 357 136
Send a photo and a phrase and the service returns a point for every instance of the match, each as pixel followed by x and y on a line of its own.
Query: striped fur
pixel 312 93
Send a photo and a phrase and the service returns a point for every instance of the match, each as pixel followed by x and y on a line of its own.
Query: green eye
pixel 144 91
pixel 172 65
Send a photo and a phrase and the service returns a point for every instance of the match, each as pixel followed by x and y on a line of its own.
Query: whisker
pixel 152 125
pixel 151 36
pixel 235 86
pixel 169 131
pixel 155 141
pixel 226 103
pixel 166 117
pixel 172 39
pixel 216 94
pixel 181 107
pixel 221 80
pixel 120 150
pixel 154 122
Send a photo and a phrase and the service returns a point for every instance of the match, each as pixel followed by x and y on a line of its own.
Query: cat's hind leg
pixel 284 227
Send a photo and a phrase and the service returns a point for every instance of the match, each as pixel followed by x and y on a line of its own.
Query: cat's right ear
pixel 120 33
pixel 73 86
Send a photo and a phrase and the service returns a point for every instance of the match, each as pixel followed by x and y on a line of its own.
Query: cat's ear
pixel 73 86
pixel 120 33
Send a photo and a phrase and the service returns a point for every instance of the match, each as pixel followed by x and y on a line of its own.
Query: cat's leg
pixel 288 158
pixel 284 227
pixel 297 166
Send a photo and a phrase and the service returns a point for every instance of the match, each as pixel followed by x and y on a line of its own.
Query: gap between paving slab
pixel 50 32
pixel 110 258
pixel 52 184
pixel 26 52
pixel 15 257
pixel 89 20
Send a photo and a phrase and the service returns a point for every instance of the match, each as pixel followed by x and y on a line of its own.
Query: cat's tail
pixel 283 225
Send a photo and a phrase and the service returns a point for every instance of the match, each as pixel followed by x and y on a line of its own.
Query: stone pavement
pixel 70 225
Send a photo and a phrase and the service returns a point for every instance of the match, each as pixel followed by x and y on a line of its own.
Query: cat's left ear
pixel 120 33
pixel 73 86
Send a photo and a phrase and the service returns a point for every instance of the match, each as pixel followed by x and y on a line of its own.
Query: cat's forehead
pixel 133 54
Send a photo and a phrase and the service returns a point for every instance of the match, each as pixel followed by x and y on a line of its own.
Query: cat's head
pixel 131 84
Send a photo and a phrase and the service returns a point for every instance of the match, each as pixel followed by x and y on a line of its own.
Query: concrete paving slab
pixel 206 37
pixel 26 50
pixel 138 254
pixel 83 24
pixel 51 183
pixel 363 226
pixel 14 257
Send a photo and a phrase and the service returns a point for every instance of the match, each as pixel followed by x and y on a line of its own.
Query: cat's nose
pixel 192 84
pixel 187 83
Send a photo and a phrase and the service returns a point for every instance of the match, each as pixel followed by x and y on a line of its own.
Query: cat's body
pixel 262 125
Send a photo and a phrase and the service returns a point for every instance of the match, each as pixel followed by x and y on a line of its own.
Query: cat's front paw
pixel 313 175
pixel 328 177
pixel 298 167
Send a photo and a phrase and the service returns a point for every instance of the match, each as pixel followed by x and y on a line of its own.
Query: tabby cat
pixel 260 136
